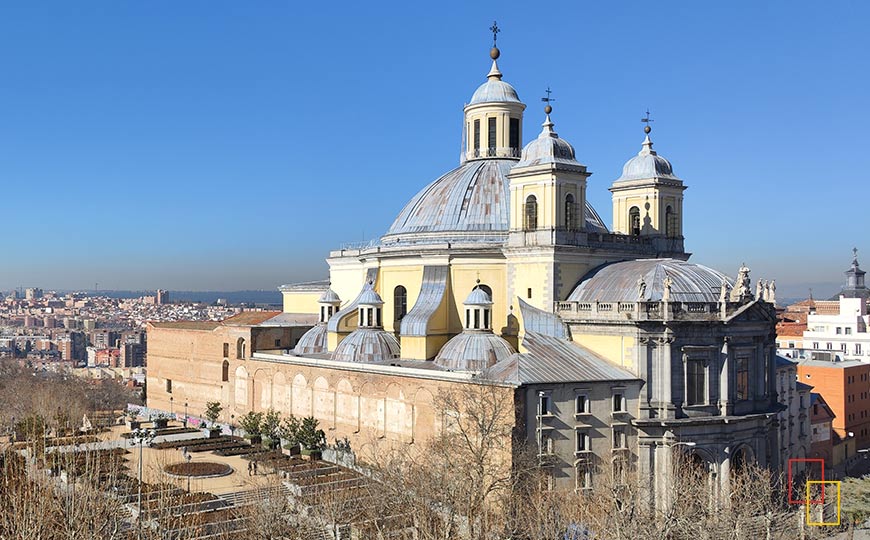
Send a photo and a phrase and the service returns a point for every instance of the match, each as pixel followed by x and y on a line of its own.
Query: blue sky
pixel 230 145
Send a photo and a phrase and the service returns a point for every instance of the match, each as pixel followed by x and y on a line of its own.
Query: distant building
pixel 794 420
pixel 132 355
pixel 822 438
pixel 845 387
pixel 162 297
pixel 32 293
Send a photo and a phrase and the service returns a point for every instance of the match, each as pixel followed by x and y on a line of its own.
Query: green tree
pixel 252 423
pixel 213 411
pixel 310 436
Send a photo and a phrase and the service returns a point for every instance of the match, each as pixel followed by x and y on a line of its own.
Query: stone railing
pixel 636 310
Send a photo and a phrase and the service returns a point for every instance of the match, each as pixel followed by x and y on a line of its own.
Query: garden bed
pixel 199 469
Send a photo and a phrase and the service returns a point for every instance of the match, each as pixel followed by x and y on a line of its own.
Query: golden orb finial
pixel 494 53
pixel 647 129
pixel 548 109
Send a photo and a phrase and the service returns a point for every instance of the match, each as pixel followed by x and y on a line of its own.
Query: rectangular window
pixel 618 438
pixel 529 292
pixel 848 331
pixel 226 350
pixel 477 137
pixel 618 402
pixel 830 346
pixel 839 330
pixel 582 444
pixel 581 405
pixel 476 318
pixel 843 347
pixel 543 404
pixel 491 134
pixel 815 344
pixel 168 386
pixel 546 446
pixel 515 134
pixel 696 385
pixel 277 343
pixel 584 475
pixel 742 378
pixel 485 319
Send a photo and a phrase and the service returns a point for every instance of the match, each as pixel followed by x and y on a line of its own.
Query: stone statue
pixel 771 292
pixel 666 288
pixel 641 288
pixel 759 289
pixel 723 292
pixel 741 290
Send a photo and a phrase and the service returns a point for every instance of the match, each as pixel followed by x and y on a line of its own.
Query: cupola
pixel 329 304
pixel 370 308
pixel 494 116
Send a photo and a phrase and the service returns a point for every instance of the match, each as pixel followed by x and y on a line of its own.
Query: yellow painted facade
pixel 617 349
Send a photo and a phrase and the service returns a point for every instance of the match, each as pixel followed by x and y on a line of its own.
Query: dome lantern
pixel 370 308
pixel 329 305
pixel 494 116
pixel 478 309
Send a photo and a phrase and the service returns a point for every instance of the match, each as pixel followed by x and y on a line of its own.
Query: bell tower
pixel 648 200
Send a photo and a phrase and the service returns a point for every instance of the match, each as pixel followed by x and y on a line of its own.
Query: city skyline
pixel 212 150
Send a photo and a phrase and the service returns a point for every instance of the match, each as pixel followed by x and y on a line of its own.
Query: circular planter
pixel 198 469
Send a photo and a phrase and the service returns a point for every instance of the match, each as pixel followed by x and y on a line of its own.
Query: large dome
pixel 470 201
pixel 313 341
pixel 643 280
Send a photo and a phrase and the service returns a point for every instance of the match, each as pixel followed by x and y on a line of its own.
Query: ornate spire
pixel 548 124
pixel 647 142
pixel 494 53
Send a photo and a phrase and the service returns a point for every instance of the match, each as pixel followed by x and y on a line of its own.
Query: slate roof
pixel 554 360
pixel 473 351
pixel 313 341
pixel 367 345
pixel 416 321
pixel 619 282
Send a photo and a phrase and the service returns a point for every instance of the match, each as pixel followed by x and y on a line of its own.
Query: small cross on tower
pixel 495 30
pixel 646 120
pixel 548 109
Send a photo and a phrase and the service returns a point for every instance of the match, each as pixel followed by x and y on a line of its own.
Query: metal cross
pixel 646 119
pixel 548 99
pixel 495 30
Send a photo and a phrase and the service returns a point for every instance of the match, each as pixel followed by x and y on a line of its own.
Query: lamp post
pixel 140 437
pixel 171 399
pixel 187 458
pixel 185 414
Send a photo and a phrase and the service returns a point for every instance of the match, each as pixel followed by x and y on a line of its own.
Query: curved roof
pixel 313 341
pixel 625 281
pixel 478 297
pixel 329 297
pixel 647 164
pixel 473 351
pixel 368 297
pixel 494 91
pixel 367 345
pixel 548 148
pixel 471 202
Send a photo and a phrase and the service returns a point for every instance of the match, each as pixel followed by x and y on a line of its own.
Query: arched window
pixel 240 348
pixel 570 213
pixel 225 372
pixel 531 221
pixel 670 222
pixel 634 221
pixel 400 305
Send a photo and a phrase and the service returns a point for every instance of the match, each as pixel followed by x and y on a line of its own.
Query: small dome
pixel 329 297
pixel 647 164
pixel 478 297
pixel 643 281
pixel 367 345
pixel 494 91
pixel 473 351
pixel 369 297
pixel 313 341
pixel 548 148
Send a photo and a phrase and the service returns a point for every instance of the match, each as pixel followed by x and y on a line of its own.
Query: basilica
pixel 500 274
